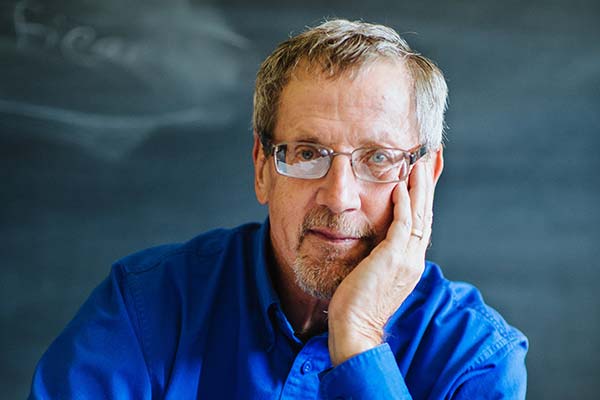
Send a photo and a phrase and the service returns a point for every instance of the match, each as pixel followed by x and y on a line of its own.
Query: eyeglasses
pixel 306 160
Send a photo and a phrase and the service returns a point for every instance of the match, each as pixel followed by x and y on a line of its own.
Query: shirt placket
pixel 302 381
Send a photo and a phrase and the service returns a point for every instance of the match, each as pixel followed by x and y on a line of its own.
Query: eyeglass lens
pixel 309 161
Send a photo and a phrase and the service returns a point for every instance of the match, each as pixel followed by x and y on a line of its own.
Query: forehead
pixel 373 105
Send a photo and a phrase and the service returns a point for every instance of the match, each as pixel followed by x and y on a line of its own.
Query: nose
pixel 339 190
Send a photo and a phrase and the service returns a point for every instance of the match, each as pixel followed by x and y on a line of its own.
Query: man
pixel 331 297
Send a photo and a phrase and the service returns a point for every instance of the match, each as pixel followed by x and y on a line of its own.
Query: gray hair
pixel 338 46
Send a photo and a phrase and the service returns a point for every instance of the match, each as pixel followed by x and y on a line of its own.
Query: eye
pixel 306 152
pixel 379 157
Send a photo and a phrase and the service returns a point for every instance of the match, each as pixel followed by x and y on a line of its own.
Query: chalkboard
pixel 126 124
pixel 108 73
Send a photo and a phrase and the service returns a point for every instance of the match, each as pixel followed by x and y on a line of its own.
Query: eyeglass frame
pixel 414 155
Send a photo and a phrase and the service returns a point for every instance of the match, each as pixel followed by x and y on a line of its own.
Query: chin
pixel 319 277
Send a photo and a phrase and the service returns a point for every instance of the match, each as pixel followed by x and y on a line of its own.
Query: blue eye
pixel 307 154
pixel 302 152
pixel 379 157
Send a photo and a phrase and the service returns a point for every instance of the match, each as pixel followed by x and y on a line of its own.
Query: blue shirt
pixel 202 320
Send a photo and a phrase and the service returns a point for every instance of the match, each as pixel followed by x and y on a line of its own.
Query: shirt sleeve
pixel 503 376
pixel 98 355
pixel 373 374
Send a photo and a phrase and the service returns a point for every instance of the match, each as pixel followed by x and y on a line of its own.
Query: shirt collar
pixel 266 293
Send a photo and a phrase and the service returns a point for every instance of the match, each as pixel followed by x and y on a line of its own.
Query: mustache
pixel 323 217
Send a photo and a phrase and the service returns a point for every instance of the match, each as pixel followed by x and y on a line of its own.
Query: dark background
pixel 125 124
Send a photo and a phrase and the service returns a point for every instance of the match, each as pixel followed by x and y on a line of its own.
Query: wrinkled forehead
pixel 376 100
pixel 362 82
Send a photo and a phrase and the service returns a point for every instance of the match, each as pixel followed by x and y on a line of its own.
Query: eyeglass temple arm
pixel 267 144
pixel 417 154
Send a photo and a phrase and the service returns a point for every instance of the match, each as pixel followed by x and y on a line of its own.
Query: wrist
pixel 347 342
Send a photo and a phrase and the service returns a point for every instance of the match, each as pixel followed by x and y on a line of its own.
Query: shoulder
pixel 171 292
pixel 161 286
pixel 461 303
pixel 154 303
pixel 445 330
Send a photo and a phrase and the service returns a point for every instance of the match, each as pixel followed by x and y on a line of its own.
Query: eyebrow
pixel 312 138
pixel 308 137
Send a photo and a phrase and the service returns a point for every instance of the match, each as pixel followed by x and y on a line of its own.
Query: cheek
pixel 287 207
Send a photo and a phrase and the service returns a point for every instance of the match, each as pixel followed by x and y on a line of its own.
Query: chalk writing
pixel 81 44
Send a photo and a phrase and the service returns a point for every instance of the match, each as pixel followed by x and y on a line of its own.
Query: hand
pixel 375 289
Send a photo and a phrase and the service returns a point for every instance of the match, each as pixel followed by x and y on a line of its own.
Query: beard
pixel 319 269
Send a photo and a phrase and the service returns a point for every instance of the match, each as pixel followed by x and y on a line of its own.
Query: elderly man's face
pixel 320 229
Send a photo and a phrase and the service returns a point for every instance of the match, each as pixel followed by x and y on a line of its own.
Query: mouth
pixel 332 236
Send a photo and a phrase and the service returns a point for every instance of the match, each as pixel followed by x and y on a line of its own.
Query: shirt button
pixel 306 367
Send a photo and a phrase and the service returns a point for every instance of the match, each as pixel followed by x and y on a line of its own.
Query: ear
pixel 261 172
pixel 437 160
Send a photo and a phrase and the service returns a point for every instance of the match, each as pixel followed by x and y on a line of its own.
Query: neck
pixel 306 314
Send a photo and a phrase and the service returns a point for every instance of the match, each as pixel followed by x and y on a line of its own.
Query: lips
pixel 332 236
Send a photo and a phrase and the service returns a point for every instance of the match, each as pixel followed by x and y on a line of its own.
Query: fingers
pixel 399 231
pixel 413 210
pixel 421 202
pixel 418 197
